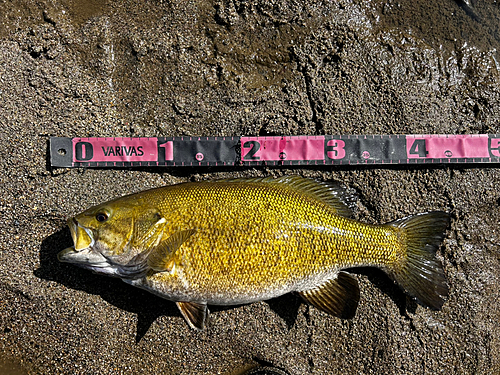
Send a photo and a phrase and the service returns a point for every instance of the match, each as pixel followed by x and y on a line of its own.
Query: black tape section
pixel 376 148
pixel 199 150
pixel 61 152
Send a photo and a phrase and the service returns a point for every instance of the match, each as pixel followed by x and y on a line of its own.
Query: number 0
pixel 84 151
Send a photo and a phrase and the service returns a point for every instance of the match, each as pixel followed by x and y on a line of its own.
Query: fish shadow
pixel 383 282
pixel 286 307
pixel 147 306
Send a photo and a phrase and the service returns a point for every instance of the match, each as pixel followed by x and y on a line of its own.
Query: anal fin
pixel 196 314
pixel 338 297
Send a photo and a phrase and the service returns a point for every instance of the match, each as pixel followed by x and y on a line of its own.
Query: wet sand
pixel 156 68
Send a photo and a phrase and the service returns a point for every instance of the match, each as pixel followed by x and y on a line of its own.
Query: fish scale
pixel 246 242
pixel 239 241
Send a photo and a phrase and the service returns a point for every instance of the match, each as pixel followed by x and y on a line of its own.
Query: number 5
pixel 495 147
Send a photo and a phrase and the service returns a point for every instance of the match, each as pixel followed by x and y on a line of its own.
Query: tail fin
pixel 420 273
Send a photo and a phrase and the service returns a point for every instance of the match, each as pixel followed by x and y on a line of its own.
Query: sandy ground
pixel 151 68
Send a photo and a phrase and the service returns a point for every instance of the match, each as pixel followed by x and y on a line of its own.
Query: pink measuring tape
pixel 275 150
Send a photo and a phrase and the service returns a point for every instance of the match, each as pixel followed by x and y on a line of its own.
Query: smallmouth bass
pixel 238 241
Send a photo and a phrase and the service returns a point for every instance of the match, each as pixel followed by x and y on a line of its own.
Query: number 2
pixel 250 155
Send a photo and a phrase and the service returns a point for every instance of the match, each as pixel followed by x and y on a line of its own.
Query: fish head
pixel 114 238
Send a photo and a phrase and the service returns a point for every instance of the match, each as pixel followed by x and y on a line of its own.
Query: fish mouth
pixel 83 238
pixel 86 258
pixel 82 251
pixel 86 254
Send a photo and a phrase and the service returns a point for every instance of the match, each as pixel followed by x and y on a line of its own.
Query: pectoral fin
pixel 196 314
pixel 161 258
pixel 338 297
pixel 148 229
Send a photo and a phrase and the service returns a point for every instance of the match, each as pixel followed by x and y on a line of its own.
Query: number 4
pixel 418 148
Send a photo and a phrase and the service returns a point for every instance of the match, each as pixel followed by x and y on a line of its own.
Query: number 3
pixel 335 149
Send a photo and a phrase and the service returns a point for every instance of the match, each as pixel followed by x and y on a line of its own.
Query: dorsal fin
pixel 334 194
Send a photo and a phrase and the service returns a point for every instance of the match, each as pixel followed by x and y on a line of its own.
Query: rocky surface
pixel 148 68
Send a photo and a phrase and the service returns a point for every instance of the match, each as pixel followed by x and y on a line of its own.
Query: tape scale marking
pixel 274 150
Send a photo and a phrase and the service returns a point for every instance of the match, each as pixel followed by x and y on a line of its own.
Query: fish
pixel 238 241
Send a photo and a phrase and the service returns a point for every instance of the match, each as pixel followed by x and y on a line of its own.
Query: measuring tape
pixel 275 150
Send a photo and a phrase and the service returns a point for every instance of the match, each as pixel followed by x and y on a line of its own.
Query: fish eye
pixel 101 217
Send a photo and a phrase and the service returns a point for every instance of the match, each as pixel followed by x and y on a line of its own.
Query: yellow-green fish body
pixel 239 241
